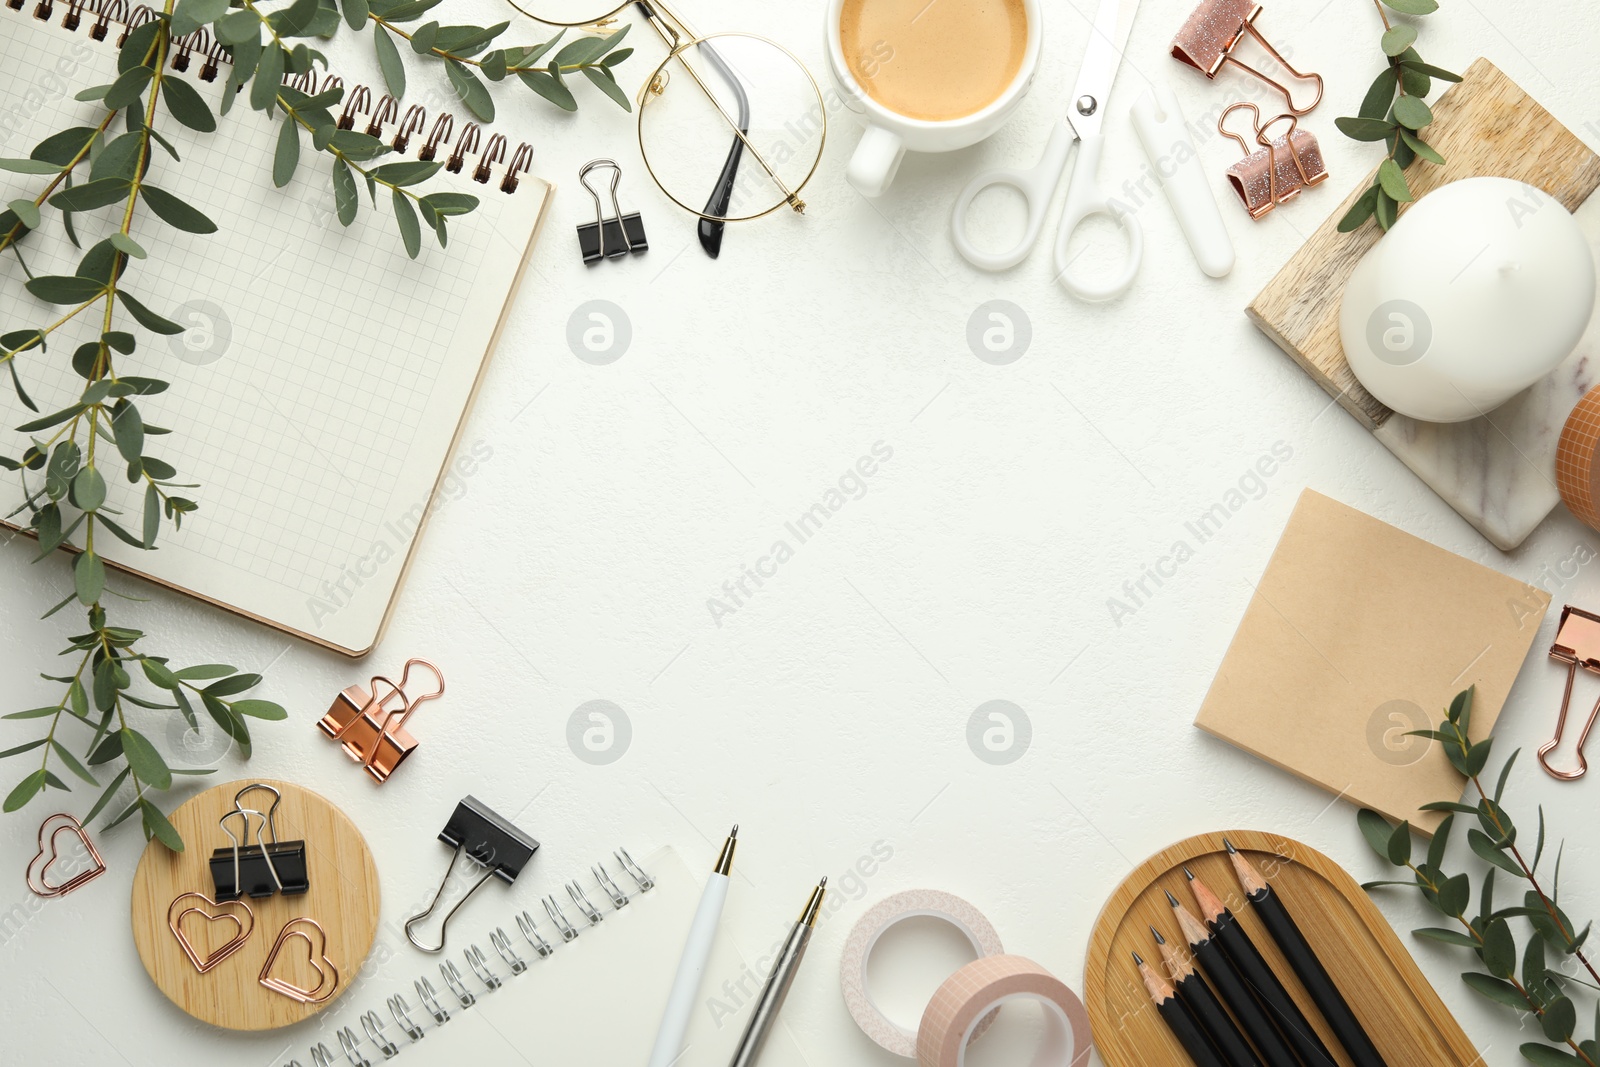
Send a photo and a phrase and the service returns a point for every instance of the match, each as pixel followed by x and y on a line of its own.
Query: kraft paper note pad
pixel 1357 633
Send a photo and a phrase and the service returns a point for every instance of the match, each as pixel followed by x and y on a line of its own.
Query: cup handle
pixel 876 159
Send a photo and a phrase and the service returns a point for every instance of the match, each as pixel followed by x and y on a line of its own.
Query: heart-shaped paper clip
pixel 316 955
pixel 229 910
pixel 48 855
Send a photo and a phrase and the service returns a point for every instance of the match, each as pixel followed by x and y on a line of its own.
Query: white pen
pixel 692 965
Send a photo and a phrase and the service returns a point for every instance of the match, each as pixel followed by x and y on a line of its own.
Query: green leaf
pixel 190 15
pixel 1398 847
pixel 1454 895
pixel 34 713
pixel 26 211
pixel 1441 838
pixel 105 797
pixel 127 429
pixel 29 746
pixel 1499 949
pixel 389 61
pixel 126 89
pixel 1430 70
pixel 64 289
pixel 61 148
pixel 29 166
pixel 1386 214
pixel 1397 39
pixel 201 672
pixel 602 79
pixel 268 77
pixel 186 105
pixel 147 318
pixel 1545 1056
pixel 345 199
pixel 1412 113
pixel 1393 182
pixel 72 763
pixel 260 709
pixel 451 203
pixel 25 790
pixel 1448 937
pixel 175 212
pixel 1375 105
pixel 239 27
pixel 546 86
pixel 423 36
pixel 583 50
pixel 287 156
pixel 406 218
pixel 409 173
pixel 89 489
pixel 237 683
pixel 1364 129
pixel 147 764
pixel 355 13
pixel 1413 7
pixel 1560 1018
pixel 128 246
pixel 1421 147
pixel 91 195
pixel 89 577
pixel 493 65
pixel 152 515
pixel 1533 962
pixel 157 826
pixel 472 91
pixel 1497 990
pixel 1376 829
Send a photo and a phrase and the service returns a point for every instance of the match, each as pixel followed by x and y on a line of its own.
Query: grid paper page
pixel 323 374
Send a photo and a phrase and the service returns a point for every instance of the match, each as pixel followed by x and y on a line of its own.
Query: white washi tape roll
pixel 858 948
pixel 957 1012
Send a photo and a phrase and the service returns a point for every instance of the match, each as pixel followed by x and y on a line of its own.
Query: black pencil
pixel 1203 1004
pixel 1232 989
pixel 1176 1015
pixel 1258 974
pixel 1313 975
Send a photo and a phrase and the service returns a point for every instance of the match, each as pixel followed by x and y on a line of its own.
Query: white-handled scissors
pixel 1084 198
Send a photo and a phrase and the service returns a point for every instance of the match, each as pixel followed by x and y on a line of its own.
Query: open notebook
pixel 320 389
pixel 594 1000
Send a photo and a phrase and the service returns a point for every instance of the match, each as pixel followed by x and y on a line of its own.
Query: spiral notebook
pixel 319 393
pixel 596 999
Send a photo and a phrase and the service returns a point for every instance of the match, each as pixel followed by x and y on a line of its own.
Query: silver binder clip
pixel 452 978
pixel 607 238
pixel 374 1028
pixel 568 932
pixel 619 899
pixel 402 1018
pixel 590 912
pixel 636 872
pixel 535 938
pixel 430 1000
pixel 348 1044
pixel 502 945
pixel 480 967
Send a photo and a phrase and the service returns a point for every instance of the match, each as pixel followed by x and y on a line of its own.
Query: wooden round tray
pixel 343 899
pixel 1378 977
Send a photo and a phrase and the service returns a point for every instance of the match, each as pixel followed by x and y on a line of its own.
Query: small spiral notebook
pixel 595 999
pixel 321 387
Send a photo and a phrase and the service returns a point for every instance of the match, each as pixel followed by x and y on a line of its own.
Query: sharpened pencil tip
pixel 1159 939
pixel 1187 873
pixel 1229 846
pixel 1138 959
pixel 1172 899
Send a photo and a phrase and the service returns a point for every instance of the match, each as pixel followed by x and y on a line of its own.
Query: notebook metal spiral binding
pixel 479 962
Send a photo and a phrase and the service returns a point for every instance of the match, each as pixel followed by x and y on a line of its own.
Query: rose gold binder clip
pixel 49 855
pixel 1577 644
pixel 1217 27
pixel 371 724
pixel 1279 169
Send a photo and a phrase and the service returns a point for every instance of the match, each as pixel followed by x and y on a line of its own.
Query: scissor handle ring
pixel 1037 185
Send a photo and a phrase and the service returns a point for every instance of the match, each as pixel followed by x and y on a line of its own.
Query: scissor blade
pixel 1107 41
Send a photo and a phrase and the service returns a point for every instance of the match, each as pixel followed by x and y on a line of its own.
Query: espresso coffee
pixel 934 59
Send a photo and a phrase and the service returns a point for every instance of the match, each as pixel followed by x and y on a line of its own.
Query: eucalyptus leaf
pixel 145 317
pixel 127 246
pixel 389 61
pixel 1398 38
pixel 345 199
pixel 1412 113
pixel 27 212
pixel 176 212
pixel 287 155
pixel 156 824
pixel 606 83
pixel 1364 129
pixel 472 91
pixel 405 216
pixel 147 764
pixel 1393 182
pixel 186 105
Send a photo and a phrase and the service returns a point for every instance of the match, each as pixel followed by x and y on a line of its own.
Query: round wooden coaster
pixel 343 901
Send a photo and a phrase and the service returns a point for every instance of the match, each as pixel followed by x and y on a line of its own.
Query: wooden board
pixel 1486 125
pixel 343 899
pixel 1396 1005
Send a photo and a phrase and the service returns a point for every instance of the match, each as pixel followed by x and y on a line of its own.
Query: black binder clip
pixel 261 869
pixel 608 238
pixel 486 839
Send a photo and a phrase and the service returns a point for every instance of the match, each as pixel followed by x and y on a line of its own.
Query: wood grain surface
pixel 343 899
pixel 1362 952
pixel 1486 125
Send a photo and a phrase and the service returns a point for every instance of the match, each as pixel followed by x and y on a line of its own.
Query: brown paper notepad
pixel 1358 632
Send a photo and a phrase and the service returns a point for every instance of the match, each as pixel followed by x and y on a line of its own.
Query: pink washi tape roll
pixel 957 1013
pixel 864 936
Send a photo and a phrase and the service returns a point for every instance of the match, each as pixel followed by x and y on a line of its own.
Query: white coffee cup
pixel 889 135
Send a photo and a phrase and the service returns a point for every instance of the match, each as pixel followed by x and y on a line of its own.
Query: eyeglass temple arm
pixel 711 230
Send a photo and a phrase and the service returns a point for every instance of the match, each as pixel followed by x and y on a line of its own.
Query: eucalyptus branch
pixel 1489 935
pixel 1394 111
pixel 18 228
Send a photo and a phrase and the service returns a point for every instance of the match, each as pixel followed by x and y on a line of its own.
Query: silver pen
pixel 773 993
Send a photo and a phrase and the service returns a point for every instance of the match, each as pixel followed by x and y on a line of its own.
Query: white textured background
pixel 829 713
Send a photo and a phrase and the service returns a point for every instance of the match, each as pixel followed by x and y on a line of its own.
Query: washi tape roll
pixel 864 937
pixel 975 993
pixel 1576 468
